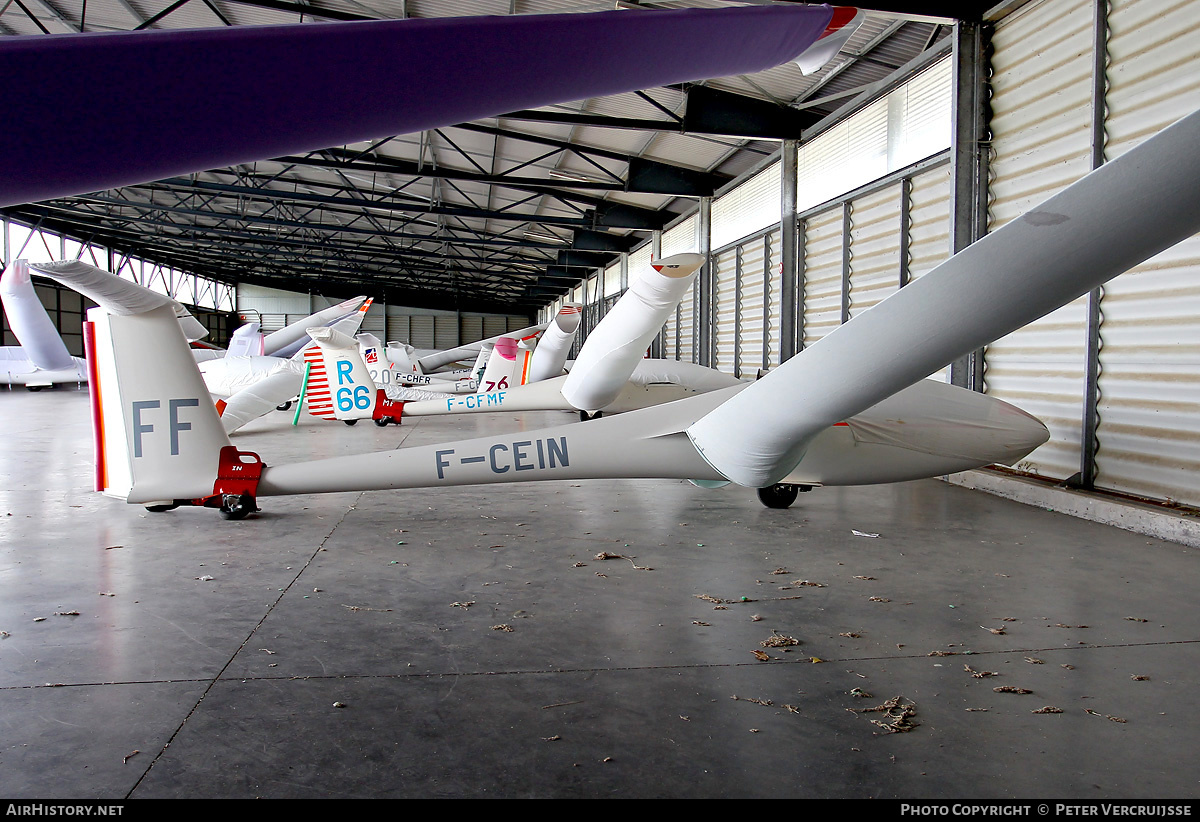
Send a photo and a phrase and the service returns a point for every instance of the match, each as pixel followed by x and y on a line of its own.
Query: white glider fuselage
pixel 929 429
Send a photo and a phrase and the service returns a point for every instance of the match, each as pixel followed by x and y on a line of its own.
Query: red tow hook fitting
pixel 236 486
pixel 386 410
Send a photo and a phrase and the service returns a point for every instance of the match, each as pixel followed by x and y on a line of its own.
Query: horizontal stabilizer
pixel 116 295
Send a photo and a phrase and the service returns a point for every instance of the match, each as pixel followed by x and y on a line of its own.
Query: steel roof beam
pixel 707 111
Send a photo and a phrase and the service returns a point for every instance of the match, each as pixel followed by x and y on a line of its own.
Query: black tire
pixel 33 388
pixel 383 421
pixel 284 406
pixel 584 416
pixel 350 422
pixel 238 507
pixel 780 495
pixel 159 509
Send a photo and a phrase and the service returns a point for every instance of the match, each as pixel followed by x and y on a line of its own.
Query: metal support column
pixel 703 320
pixel 968 165
pixel 905 229
pixel 791 300
pixel 1086 478
pixel 656 345
pixel 847 211
pixel 737 313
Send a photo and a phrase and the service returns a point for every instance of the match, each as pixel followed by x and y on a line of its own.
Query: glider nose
pixel 1024 431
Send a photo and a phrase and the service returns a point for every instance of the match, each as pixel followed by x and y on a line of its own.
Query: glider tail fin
pixel 339 384
pixel 159 440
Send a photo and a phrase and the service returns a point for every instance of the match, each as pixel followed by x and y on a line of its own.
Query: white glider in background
pixel 245 387
pixel 163 445
pixel 249 341
pixel 248 387
pixel 41 359
pixel 611 374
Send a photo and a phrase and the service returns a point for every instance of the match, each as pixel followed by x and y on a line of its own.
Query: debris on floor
pixel 864 534
pixel 979 674
pixel 778 640
pixel 899 712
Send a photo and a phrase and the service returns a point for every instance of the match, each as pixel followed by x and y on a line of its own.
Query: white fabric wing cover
pixel 29 321
pixel 116 295
pixel 555 344
pixel 615 346
pixel 287 341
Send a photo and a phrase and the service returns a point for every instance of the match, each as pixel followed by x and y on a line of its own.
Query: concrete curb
pixel 1141 518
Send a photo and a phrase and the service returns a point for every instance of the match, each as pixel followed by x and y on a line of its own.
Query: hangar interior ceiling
pixel 503 214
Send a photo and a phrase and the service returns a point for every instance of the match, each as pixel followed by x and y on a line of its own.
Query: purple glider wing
pixel 87 112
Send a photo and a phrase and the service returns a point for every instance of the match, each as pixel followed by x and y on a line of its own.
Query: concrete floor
pixel 614 678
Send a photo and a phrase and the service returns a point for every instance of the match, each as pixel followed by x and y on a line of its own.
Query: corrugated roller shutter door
pixel 1041 143
pixel 874 248
pixel 421 331
pixel 1149 385
pixel 445 332
pixel 471 329
pixel 754 287
pixel 376 320
pixel 492 326
pixel 398 329
pixel 725 309
pixel 822 274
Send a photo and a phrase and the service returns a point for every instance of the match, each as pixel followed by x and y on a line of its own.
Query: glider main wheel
pixel 780 495
pixel 284 406
pixel 383 421
pixel 159 509
pixel 33 388
pixel 237 506
pixel 584 416
pixel 350 422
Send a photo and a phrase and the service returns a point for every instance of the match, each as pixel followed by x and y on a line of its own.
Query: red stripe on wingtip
pixel 842 15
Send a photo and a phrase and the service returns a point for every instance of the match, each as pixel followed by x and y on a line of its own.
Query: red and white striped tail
pixel 318 395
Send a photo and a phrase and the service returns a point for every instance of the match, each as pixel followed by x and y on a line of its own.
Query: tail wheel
pixel 383 421
pixel 780 495
pixel 284 406
pixel 237 506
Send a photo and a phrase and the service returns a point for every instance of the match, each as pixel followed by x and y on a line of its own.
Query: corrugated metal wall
pixel 822 273
pixel 1149 384
pixel 1042 76
pixel 875 239
pixel 1148 388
